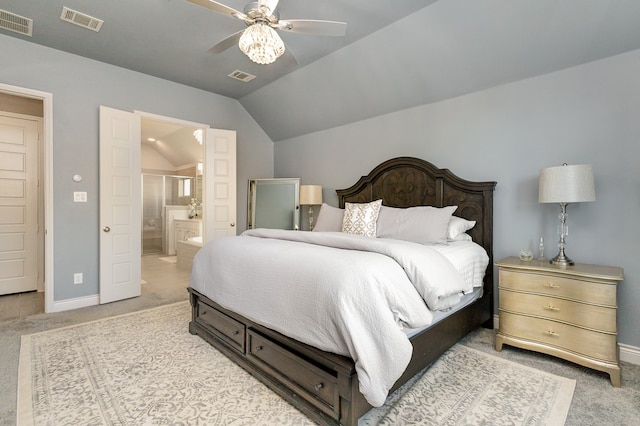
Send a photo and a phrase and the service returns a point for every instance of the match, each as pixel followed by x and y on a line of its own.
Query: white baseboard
pixel 628 353
pixel 75 303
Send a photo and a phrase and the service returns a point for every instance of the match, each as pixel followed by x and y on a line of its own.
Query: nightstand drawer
pixel 590 316
pixel 593 344
pixel 574 289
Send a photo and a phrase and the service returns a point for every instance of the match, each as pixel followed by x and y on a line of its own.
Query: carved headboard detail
pixel 409 182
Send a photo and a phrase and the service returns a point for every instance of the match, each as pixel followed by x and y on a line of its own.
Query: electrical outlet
pixel 77 278
pixel 79 197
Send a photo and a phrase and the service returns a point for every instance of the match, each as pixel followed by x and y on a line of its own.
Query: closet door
pixel 18 203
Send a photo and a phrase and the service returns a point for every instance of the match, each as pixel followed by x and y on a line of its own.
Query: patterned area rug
pixel 139 369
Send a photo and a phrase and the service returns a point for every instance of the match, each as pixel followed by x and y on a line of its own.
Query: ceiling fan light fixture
pixel 261 43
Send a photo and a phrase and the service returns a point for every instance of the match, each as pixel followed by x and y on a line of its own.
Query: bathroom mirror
pixel 273 203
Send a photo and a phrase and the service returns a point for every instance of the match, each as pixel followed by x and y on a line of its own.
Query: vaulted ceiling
pixel 170 39
pixel 395 54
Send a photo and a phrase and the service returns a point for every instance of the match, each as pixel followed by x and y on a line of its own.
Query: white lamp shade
pixel 567 184
pixel 310 195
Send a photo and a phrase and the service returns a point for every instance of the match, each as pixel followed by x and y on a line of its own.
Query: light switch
pixel 79 197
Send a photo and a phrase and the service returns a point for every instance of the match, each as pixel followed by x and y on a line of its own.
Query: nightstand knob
pixel 318 386
pixel 551 285
pixel 552 308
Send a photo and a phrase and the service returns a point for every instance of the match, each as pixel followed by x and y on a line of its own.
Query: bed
pixel 323 385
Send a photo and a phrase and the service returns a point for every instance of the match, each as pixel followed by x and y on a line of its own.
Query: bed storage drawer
pixel 309 378
pixel 225 327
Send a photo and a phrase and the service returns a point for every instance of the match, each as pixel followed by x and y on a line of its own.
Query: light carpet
pixel 145 368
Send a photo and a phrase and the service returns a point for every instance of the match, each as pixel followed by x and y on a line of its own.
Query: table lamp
pixel 310 195
pixel 563 185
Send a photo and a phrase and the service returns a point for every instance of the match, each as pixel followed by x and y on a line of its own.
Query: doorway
pixel 38 106
pixel 21 242
pixel 120 198
pixel 172 154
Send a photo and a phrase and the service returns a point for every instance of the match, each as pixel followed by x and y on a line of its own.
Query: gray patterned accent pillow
pixel 361 218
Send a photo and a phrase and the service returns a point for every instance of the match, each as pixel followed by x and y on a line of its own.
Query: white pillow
pixel 422 224
pixel 458 226
pixel 361 218
pixel 462 237
pixel 329 219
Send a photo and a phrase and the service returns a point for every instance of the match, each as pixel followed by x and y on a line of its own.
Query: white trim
pixel 75 303
pixel 47 128
pixel 157 117
pixel 630 354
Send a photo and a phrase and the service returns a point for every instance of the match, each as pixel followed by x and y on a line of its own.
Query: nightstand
pixel 564 311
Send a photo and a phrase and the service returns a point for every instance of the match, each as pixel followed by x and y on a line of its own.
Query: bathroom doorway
pixel 171 164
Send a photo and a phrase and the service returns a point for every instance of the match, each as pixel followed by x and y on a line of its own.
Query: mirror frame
pixel 287 183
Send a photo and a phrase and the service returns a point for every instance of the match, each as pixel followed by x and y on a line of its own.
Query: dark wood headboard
pixel 409 182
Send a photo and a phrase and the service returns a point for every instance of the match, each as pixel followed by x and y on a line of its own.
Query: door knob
pixel 233 224
pixel 106 229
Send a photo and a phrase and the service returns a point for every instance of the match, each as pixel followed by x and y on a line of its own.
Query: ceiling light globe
pixel 261 43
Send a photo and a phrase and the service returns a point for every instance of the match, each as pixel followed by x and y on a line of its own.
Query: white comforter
pixel 352 301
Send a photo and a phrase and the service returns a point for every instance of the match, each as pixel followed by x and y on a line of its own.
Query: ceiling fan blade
pixel 220 8
pixel 225 44
pixel 271 4
pixel 313 27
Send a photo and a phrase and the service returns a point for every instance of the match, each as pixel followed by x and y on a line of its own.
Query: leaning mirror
pixel 273 203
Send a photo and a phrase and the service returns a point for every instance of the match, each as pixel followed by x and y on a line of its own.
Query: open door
pixel 120 207
pixel 220 184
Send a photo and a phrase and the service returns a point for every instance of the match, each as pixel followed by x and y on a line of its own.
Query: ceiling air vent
pixel 81 19
pixel 16 23
pixel 242 76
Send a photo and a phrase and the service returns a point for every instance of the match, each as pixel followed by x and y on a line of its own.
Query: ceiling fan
pixel 259 41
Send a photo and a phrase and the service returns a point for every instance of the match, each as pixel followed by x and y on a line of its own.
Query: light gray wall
pixel 446 49
pixel 583 115
pixel 79 87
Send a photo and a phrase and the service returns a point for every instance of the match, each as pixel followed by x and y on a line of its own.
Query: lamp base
pixel 562 260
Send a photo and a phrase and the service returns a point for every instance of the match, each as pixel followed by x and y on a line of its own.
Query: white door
pixel 120 206
pixel 220 184
pixel 18 203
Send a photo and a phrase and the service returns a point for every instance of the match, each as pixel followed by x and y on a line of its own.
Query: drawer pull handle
pixel 552 308
pixel 258 348
pixel 552 333
pixel 551 285
pixel 235 332
pixel 318 386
